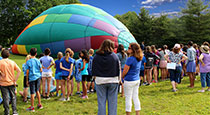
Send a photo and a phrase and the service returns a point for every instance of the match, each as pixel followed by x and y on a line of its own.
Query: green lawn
pixel 155 99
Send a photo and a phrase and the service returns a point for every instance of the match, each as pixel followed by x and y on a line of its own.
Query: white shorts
pixel 46 74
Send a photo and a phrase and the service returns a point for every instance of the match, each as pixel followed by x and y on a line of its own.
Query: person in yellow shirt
pixel 8 81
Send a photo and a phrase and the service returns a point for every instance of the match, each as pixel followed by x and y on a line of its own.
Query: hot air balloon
pixel 75 26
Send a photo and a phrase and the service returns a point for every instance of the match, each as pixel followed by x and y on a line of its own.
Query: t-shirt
pixel 122 60
pixel 1 58
pixel 90 66
pixel 66 65
pixel 84 71
pixel 34 66
pixel 78 64
pixel 46 61
pixel 150 57
pixel 7 67
pixel 175 58
pixel 162 54
pixel 191 54
pixel 143 62
pixel 133 72
pixel 24 69
pixel 57 65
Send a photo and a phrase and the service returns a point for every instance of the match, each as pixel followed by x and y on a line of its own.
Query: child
pixel 47 63
pixel 142 70
pixel 58 72
pixel 66 66
pixel 8 81
pixel 78 75
pixel 84 72
pixel 72 78
pixel 33 78
pixel 91 82
pixel 25 90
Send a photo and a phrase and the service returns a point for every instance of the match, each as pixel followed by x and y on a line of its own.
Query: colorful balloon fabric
pixel 75 26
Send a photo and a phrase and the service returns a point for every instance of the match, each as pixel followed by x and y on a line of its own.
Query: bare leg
pixel 155 74
pixel 39 98
pixel 128 113
pixel 25 93
pixel 63 88
pixel 68 88
pixel 72 86
pixel 137 112
pixel 32 100
pixel 48 86
pixel 57 86
pixel 78 86
pixel 43 86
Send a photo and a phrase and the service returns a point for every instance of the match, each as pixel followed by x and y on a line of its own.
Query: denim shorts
pixel 58 76
pixel 175 75
pixel 34 86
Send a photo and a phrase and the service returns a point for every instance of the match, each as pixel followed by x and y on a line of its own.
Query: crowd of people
pixel 104 73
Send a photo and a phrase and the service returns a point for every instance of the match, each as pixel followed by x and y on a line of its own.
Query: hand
pixel 27 83
pixel 203 64
pixel 48 67
pixel 68 77
pixel 169 61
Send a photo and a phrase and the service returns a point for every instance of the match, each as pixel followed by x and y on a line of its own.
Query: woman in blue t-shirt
pixel 131 77
pixel 66 66
pixel 84 72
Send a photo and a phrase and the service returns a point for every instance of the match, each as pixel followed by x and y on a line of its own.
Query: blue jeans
pixel 205 78
pixel 107 92
pixel 8 91
pixel 175 75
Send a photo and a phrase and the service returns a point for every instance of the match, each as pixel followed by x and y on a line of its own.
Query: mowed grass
pixel 155 99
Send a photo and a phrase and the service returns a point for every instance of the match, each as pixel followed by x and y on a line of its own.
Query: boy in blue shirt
pixel 33 74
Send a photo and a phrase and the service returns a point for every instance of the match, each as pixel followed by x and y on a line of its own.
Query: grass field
pixel 155 99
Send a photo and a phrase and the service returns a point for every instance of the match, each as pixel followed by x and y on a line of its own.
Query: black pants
pixel 7 93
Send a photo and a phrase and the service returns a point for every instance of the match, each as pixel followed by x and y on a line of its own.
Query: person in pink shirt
pixel 8 81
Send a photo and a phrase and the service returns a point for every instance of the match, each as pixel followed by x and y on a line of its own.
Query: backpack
pixel 149 63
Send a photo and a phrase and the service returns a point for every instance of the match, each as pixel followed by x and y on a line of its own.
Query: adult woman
pixel 175 57
pixel 123 57
pixel 106 70
pixel 191 64
pixel 131 77
pixel 204 68
pixel 163 63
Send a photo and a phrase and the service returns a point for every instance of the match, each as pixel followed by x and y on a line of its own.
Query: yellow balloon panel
pixel 38 20
pixel 22 49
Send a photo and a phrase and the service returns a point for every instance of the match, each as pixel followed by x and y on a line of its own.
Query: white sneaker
pixel 62 99
pixel 201 91
pixel 67 99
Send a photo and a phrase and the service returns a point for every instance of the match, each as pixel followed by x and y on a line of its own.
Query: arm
pixel 55 66
pixel 70 70
pixel 61 66
pixel 183 58
pixel 18 73
pixel 166 58
pixel 52 63
pixel 84 63
pixel 125 71
pixel 201 60
pixel 27 74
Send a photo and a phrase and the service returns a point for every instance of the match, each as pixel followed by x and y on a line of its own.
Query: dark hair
pixel 136 51
pixel 148 49
pixel 106 46
pixel 121 50
pixel 85 55
pixel 164 48
pixel 41 55
pixel 47 51
pixel 5 53
pixel 190 43
pixel 33 51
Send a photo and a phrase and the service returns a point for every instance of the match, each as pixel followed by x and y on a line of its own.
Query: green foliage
pixel 194 24
pixel 15 15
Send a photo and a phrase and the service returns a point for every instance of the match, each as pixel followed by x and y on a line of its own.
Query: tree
pixel 196 21
pixel 15 15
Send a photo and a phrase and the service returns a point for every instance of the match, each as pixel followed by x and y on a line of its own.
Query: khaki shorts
pixel 46 74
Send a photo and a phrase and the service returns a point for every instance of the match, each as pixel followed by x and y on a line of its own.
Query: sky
pixel 155 7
